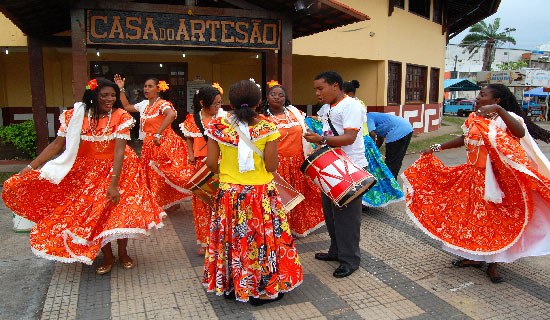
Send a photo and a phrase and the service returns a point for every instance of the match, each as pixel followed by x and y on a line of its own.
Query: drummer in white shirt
pixel 346 115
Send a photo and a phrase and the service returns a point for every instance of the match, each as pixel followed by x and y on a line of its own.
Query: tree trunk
pixel 487 55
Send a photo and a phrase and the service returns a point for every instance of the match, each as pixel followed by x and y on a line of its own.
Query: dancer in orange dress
pixel 163 154
pixel 207 103
pixel 496 207
pixel 251 253
pixel 308 215
pixel 91 194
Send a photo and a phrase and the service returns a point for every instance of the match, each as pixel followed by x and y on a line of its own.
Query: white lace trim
pixel 126 124
pixel 310 230
pixel 288 125
pixel 182 190
pixel 408 189
pixel 474 142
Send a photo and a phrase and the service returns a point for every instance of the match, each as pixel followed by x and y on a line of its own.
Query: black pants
pixel 344 228
pixel 395 152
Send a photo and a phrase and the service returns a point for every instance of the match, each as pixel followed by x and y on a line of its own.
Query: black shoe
pixel 323 256
pixel 230 295
pixel 258 302
pixel 343 271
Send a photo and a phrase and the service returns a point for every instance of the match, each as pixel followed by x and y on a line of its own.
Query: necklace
pixel 101 138
pixel 277 120
pixel 146 116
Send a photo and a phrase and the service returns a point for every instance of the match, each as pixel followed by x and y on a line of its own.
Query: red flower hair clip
pixel 92 85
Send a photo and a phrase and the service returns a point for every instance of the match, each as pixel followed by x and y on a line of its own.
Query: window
pixel 420 7
pixel 434 85
pixel 438 12
pixel 415 84
pixel 394 82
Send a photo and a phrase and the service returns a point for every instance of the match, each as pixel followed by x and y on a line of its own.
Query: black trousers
pixel 344 228
pixel 395 152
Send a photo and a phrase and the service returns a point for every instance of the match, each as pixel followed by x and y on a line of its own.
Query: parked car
pixel 461 108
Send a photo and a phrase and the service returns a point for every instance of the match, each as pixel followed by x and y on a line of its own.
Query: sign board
pixel 515 78
pixel 168 29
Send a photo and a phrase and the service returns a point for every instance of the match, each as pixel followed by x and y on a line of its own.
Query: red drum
pixel 337 175
pixel 289 196
pixel 204 184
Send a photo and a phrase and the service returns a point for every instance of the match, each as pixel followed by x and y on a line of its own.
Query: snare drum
pixel 337 175
pixel 290 197
pixel 204 184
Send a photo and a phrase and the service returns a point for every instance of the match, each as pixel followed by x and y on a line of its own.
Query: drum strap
pixel 334 132
pixel 198 122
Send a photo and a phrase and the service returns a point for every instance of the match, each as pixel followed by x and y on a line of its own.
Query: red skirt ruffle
pixel 74 219
pixel 166 168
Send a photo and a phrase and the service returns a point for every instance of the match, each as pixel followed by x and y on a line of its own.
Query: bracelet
pixel 323 141
pixel 123 90
pixel 436 147
pixel 157 135
pixel 114 175
pixel 29 166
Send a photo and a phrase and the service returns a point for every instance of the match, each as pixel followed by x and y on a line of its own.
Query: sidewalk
pixel 403 275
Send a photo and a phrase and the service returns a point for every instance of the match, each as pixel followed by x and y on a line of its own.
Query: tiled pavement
pixel 403 275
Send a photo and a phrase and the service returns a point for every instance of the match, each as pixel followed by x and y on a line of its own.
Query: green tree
pixel 489 37
pixel 512 65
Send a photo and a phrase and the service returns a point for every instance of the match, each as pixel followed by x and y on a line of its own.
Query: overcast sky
pixel 531 19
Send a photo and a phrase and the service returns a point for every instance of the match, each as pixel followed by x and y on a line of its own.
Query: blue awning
pixel 537 92
pixel 460 85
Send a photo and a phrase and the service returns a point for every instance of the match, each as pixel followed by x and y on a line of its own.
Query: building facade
pixel 394 48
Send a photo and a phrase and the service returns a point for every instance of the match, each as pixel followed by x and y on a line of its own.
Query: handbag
pixel 290 197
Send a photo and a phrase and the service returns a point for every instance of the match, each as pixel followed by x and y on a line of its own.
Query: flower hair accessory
pixel 217 86
pixel 244 105
pixel 163 86
pixel 92 85
pixel 273 83
pixel 252 80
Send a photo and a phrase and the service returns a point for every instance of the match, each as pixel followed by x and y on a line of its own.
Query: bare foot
pixel 201 250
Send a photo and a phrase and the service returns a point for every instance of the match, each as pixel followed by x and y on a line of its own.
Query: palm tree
pixel 487 36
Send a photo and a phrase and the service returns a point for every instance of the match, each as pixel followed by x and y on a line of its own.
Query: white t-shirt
pixel 347 114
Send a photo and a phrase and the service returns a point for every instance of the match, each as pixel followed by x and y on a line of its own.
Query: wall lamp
pixel 7 51
pixel 302 6
pixel 97 52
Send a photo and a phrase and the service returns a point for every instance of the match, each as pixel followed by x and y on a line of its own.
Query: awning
pixel 41 18
pixel 537 92
pixel 460 85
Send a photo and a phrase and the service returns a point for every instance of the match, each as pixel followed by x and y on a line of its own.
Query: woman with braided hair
pixel 496 206
pixel 207 104
pixel 163 154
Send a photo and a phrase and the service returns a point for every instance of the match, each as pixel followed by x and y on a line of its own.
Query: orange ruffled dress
pixel 166 166
pixel 308 215
pixel 251 250
pixel 74 219
pixel 201 210
pixel 495 207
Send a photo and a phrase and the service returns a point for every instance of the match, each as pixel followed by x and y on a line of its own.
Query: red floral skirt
pixel 250 250
pixel 201 212
pixel 74 219
pixel 166 168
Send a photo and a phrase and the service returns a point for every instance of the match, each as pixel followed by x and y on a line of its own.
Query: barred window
pixel 438 12
pixel 420 7
pixel 434 85
pixel 415 84
pixel 394 82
